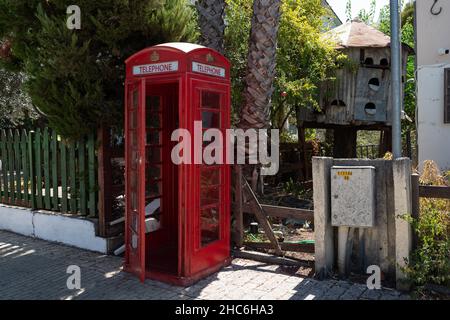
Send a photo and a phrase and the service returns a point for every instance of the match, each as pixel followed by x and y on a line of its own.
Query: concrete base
pixel 388 243
pixel 403 231
pixel 323 231
pixel 56 227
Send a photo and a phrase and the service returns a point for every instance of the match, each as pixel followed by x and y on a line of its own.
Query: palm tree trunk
pixel 212 24
pixel 261 64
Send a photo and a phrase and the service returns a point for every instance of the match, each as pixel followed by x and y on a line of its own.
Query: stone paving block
pixel 334 292
pixel 344 284
pixel 354 292
pixel 36 269
pixel 371 294
pixel 387 291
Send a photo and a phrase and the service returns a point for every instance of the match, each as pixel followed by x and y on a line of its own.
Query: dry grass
pixel 431 175
pixel 388 156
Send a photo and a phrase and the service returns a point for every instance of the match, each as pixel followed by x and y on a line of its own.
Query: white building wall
pixel 432 35
pixel 433 133
pixel 432 32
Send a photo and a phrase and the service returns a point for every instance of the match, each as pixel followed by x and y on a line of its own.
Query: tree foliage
pixel 76 77
pixel 348 10
pixel 407 37
pixel 238 15
pixel 15 105
pixel 305 57
pixel 407 15
pixel 368 16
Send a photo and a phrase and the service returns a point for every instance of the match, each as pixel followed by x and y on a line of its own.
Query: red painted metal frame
pixel 202 258
pixel 194 262
pixel 135 261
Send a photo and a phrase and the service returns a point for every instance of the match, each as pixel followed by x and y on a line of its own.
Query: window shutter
pixel 447 95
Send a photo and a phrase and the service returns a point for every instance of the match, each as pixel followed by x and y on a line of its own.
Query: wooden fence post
pixel 54 162
pixel 415 205
pixel 262 219
pixel 10 146
pixel 18 168
pixel 37 164
pixel 238 213
pixel 72 178
pixel 92 183
pixel 32 173
pixel 82 174
pixel 4 165
pixel 104 182
pixel 25 167
pixel 64 202
pixel 46 151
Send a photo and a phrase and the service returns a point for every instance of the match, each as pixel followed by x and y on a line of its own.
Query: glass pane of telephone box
pixel 153 137
pixel 210 176
pixel 153 155
pixel 153 189
pixel 209 196
pixel 135 98
pixel 210 119
pixel 210 100
pixel 153 104
pixel 153 172
pixel 153 120
pixel 209 225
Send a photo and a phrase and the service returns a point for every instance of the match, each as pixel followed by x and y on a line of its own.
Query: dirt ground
pixel 292 230
pixel 307 259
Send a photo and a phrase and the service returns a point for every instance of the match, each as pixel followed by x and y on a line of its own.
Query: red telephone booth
pixel 177 215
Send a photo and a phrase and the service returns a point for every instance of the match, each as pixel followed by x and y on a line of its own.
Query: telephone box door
pixel 135 167
pixel 211 235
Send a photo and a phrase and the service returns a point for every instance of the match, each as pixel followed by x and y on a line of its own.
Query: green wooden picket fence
pixel 40 171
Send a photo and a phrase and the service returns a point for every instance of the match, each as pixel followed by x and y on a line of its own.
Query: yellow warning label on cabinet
pixel 345 174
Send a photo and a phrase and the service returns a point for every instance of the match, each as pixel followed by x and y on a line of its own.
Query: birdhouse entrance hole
pixel 370 109
pixel 338 103
pixel 374 84
pixel 368 62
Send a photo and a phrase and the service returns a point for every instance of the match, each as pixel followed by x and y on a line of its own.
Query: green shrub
pixel 295 188
pixel 249 237
pixel 430 262
pixel 76 77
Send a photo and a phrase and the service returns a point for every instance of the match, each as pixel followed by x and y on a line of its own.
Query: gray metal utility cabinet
pixel 388 242
pixel 352 196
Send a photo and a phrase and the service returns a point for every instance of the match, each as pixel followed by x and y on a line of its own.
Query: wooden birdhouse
pixel 360 96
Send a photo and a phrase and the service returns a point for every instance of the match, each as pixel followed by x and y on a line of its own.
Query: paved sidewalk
pixel 36 269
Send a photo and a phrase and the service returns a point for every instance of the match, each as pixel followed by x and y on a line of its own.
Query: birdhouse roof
pixel 357 34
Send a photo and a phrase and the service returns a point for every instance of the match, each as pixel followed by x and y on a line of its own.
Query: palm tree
pixel 260 64
pixel 212 24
